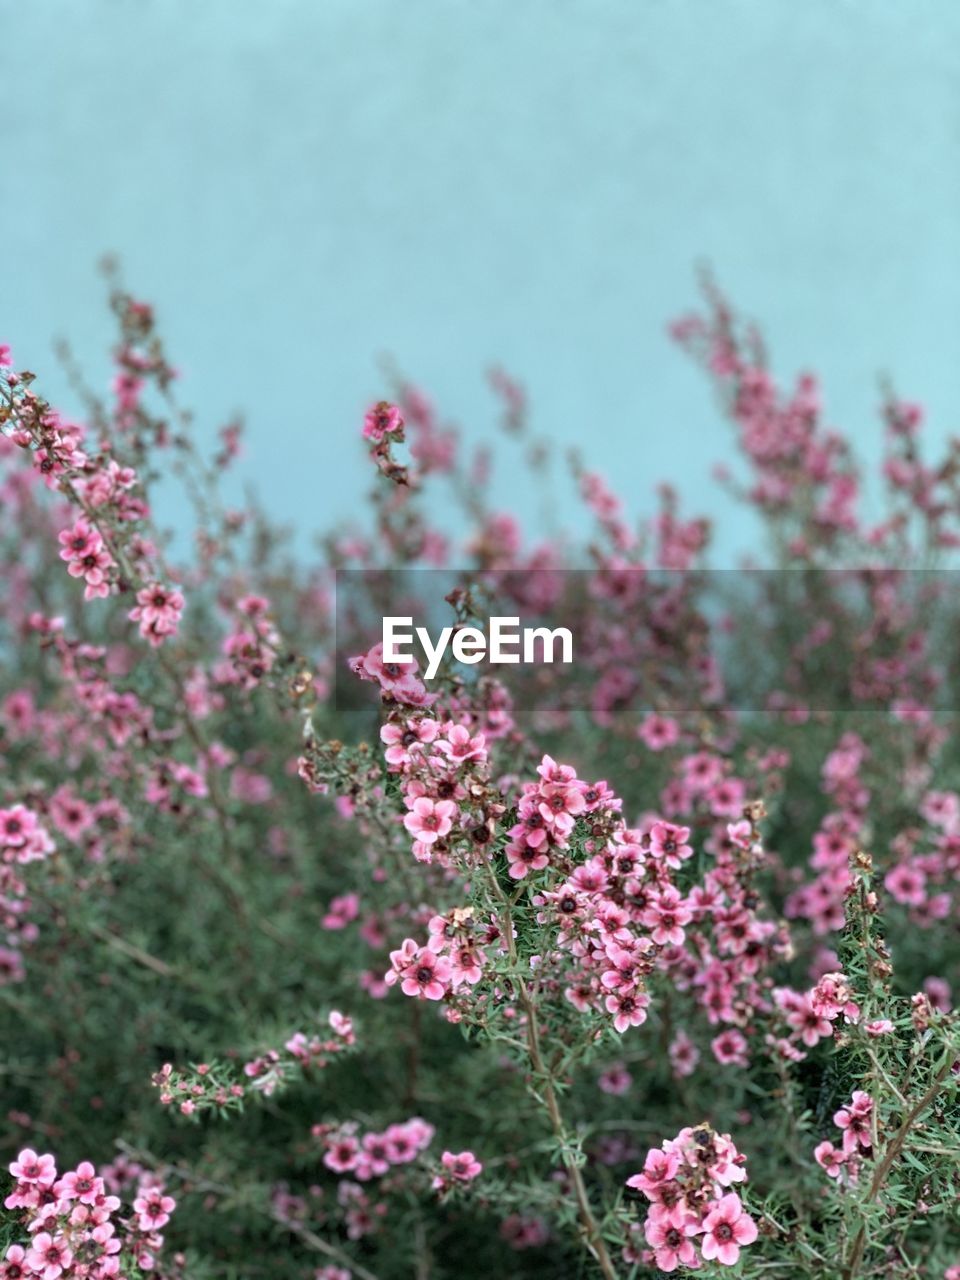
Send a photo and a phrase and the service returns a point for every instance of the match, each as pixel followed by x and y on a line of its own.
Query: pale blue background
pixel 300 185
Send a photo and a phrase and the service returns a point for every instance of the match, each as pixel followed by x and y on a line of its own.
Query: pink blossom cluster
pixel 457 1169
pixel 524 1231
pixel 620 915
pixel 107 546
pixel 925 872
pixel 363 1214
pixel 856 1121
pixel 250 648
pixel 158 611
pixel 371 1155
pixel 811 1016
pixel 781 433
pixel 341 911
pixel 397 680
pixel 82 547
pixel 208 1086
pixel 452 958
pixel 271 1069
pixel 693 1216
pixel 617 913
pixel 23 840
pixel 197 1088
pixel 546 813
pixel 74 1224
pixel 438 762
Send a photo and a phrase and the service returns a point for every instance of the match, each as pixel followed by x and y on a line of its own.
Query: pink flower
pixel 658 733
pixel 463 1167
pixel 666 915
pixel 671 1245
pixel 381 420
pixel 341 911
pixel 153 1209
pixel 730 1048
pixel 659 1169
pixel 82 1184
pixel 70 814
pixel 907 884
pixel 830 1159
pixel 523 858
pixel 831 996
pixel 939 992
pixel 629 1009
pixel 684 1055
pixel 342 1153
pixel 376 1150
pixel 879 1027
pixel 48 1257
pixel 342 1026
pixel 14 1267
pixel 942 809
pixel 405 740
pixel 616 1080
pixel 701 770
pixel 727 1227
pixel 83 549
pixel 405 1141
pixel 532 827
pixel 459 747
pixel 399 679
pixel 670 843
pixel 420 971
pixel 740 834
pixel 855 1121
pixel 726 798
pixel 21 832
pixel 803 1018
pixel 158 611
pixel 559 806
pixel 29 1167
pixel 466 965
pixel 522 1232
pixel 430 820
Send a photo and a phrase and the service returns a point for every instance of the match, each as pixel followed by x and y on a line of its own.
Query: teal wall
pixel 300 185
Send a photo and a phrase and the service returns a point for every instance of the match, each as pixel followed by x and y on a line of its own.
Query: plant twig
pixel 890 1155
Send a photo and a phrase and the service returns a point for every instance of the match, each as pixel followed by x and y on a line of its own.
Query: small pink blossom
pixel 430 820
pixel 830 1158
pixel 726 1228
pixel 879 1027
pixel 381 420
pixel 462 1168
pixel 48 1256
pixel 29 1167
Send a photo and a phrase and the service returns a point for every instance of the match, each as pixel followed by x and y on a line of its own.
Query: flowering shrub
pixel 702 882
pixel 72 1225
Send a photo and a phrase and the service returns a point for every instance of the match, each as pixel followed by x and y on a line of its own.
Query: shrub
pixel 314 967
